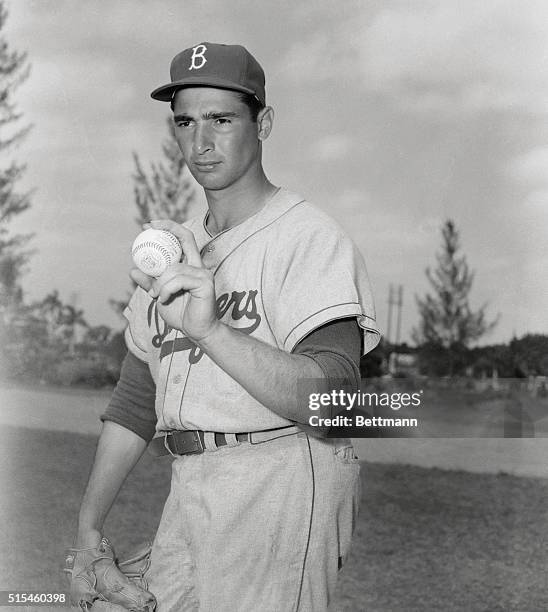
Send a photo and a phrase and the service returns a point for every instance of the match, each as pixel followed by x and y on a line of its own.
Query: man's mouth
pixel 206 165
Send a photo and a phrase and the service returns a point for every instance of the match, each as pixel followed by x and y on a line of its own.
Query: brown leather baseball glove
pixel 96 575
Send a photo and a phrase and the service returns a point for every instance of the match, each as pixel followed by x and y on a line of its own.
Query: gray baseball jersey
pixel 279 275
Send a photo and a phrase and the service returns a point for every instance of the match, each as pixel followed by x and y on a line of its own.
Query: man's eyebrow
pixel 218 115
pixel 209 115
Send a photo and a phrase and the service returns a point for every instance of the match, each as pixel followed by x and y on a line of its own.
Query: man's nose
pixel 203 140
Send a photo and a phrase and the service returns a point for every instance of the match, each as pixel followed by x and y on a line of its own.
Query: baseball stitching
pixel 156 246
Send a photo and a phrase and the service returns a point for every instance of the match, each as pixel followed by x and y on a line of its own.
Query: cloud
pixel 332 147
pixel 539 198
pixel 375 228
pixel 320 57
pixel 530 172
pixel 474 55
pixel 353 201
pixel 531 168
pixel 449 57
pixel 431 226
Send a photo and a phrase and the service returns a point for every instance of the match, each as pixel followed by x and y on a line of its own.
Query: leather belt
pixel 192 441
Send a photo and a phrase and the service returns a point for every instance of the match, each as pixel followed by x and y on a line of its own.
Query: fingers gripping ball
pixel 96 577
pixel 154 250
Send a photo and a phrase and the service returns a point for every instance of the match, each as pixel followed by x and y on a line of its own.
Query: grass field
pixel 427 539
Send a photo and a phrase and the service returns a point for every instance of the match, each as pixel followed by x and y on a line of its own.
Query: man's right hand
pixel 185 292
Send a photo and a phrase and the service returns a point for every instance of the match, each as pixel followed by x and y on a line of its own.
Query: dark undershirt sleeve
pixel 336 348
pixel 132 403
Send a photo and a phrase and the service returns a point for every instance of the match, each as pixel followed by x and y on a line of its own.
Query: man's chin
pixel 212 185
pixel 209 181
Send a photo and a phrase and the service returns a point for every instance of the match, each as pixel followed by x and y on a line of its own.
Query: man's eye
pixel 223 121
pixel 184 123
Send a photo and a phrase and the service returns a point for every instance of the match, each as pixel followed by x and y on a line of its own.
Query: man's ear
pixel 265 120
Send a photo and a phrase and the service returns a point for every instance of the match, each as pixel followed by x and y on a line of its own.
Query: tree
pixel 13 254
pixel 167 193
pixel 448 325
pixel 372 364
pixel 529 355
pixel 61 321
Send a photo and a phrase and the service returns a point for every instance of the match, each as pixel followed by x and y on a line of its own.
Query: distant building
pixel 403 364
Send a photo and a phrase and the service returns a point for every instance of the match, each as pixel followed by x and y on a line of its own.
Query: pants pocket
pixel 345 453
pixel 348 468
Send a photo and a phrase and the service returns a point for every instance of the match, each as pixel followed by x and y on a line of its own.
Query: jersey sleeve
pixel 137 330
pixel 312 277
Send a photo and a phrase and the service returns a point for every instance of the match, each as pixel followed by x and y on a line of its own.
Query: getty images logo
pixel 198 54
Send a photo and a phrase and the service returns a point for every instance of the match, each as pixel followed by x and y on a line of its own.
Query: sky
pixel 392 116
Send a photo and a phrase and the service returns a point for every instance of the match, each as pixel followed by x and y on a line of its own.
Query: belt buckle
pixel 189 443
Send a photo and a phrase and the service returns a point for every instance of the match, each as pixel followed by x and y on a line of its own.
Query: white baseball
pixel 154 250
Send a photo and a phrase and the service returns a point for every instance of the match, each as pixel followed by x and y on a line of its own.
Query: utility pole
pixel 395 298
pixel 389 324
pixel 399 304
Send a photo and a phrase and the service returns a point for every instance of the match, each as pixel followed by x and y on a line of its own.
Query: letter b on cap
pixel 198 54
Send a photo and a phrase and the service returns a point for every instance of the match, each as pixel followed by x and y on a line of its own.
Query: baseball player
pixel 270 295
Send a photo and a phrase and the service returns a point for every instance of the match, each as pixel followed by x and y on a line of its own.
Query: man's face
pixel 219 141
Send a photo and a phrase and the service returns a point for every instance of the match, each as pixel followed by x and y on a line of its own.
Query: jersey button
pixel 177 379
pixel 210 248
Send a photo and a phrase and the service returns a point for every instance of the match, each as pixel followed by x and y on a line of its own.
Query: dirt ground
pixel 426 539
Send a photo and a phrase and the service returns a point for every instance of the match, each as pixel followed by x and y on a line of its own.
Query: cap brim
pixel 165 92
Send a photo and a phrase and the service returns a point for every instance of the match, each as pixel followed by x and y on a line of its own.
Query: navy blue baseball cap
pixel 214 65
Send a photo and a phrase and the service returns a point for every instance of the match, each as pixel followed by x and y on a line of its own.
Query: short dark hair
pixel 254 105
